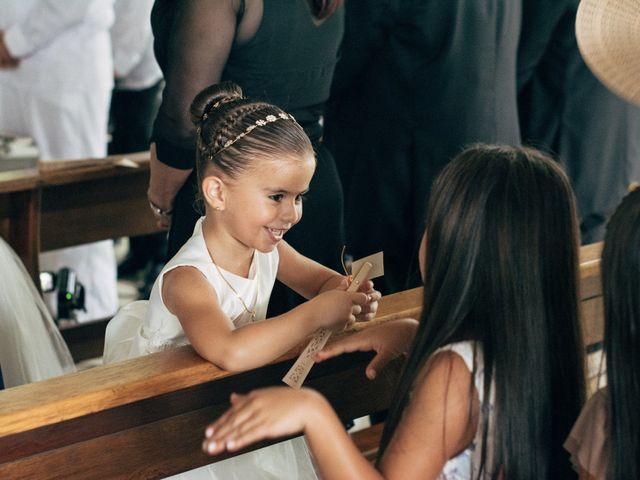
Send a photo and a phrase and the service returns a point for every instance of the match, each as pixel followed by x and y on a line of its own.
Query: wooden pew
pixel 71 202
pixel 144 418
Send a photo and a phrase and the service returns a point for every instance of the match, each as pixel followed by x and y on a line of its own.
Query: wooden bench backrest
pixel 144 418
pixel 65 203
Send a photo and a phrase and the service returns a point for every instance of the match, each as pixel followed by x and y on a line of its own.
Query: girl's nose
pixel 292 212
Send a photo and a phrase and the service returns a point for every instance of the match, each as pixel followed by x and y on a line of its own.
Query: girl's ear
pixel 214 193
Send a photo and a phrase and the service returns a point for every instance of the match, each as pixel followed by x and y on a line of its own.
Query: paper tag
pixel 365 269
pixel 377 260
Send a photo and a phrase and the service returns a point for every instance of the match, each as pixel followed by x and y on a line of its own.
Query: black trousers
pixel 131 118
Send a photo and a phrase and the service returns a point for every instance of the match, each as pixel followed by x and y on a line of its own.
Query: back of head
pixel 234 132
pixel 621 290
pixel 501 269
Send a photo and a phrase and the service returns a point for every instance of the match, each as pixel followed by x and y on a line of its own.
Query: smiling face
pixel 262 204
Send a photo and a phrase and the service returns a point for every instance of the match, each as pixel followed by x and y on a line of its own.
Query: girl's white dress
pixel 144 327
pixel 465 465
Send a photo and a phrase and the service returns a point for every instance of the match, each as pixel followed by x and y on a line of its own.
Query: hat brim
pixel 608 35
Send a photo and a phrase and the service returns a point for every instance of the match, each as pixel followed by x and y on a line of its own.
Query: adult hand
pixel 164 183
pixel 389 340
pixel 266 413
pixel 6 59
pixel 162 215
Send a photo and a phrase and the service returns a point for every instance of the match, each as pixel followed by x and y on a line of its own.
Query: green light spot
pixel 68 296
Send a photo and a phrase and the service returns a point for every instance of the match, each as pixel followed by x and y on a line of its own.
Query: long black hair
pixel 501 269
pixel 621 290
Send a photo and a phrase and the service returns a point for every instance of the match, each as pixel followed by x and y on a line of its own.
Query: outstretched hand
pixel 266 413
pixel 389 340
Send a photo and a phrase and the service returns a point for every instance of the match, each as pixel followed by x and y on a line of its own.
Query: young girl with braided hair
pixel 493 381
pixel 254 165
pixel 605 441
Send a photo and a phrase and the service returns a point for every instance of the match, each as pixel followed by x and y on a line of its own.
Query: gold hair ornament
pixel 258 123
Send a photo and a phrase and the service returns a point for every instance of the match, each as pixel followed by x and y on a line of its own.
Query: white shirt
pixel 132 41
pixel 55 38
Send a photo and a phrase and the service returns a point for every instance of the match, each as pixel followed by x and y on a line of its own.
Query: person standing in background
pixel 280 51
pixel 417 81
pixel 566 110
pixel 56 76
pixel 134 106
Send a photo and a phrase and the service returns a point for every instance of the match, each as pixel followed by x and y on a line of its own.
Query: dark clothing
pixel 566 111
pixel 131 118
pixel 288 61
pixel 416 82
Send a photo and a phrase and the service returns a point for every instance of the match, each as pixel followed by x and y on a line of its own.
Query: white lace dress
pixel 144 327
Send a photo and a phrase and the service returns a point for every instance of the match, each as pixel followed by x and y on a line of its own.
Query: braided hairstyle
pixel 223 116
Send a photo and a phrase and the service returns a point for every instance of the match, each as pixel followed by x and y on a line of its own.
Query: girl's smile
pixel 262 204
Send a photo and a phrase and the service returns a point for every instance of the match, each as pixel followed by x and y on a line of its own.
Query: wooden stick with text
pixel 296 375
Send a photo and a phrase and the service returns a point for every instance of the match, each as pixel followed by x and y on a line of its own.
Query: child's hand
pixel 371 307
pixel 335 309
pixel 266 413
pixel 389 340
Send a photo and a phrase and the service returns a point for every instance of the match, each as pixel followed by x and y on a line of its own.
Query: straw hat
pixel 608 34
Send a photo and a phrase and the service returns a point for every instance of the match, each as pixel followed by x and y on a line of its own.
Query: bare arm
pixel 435 427
pixel 196 51
pixel 303 275
pixel 164 184
pixel 188 295
pixel 309 278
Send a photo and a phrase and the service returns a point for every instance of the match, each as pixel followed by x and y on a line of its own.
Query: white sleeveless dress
pixel 465 465
pixel 145 327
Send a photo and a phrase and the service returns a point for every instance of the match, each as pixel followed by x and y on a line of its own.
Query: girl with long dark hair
pixel 494 379
pixel 605 442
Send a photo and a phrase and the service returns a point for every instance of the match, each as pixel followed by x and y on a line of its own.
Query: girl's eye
pixel 301 198
pixel 277 197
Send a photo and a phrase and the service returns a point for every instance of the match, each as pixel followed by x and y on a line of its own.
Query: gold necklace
pixel 250 312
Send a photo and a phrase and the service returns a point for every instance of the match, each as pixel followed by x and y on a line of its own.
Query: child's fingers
pixel 366 287
pixel 350 344
pixel 213 447
pixel 376 364
pixel 365 317
pixel 359 298
pixel 374 296
pixel 251 435
pixel 238 431
pixel 233 415
pixel 238 417
pixel 344 284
